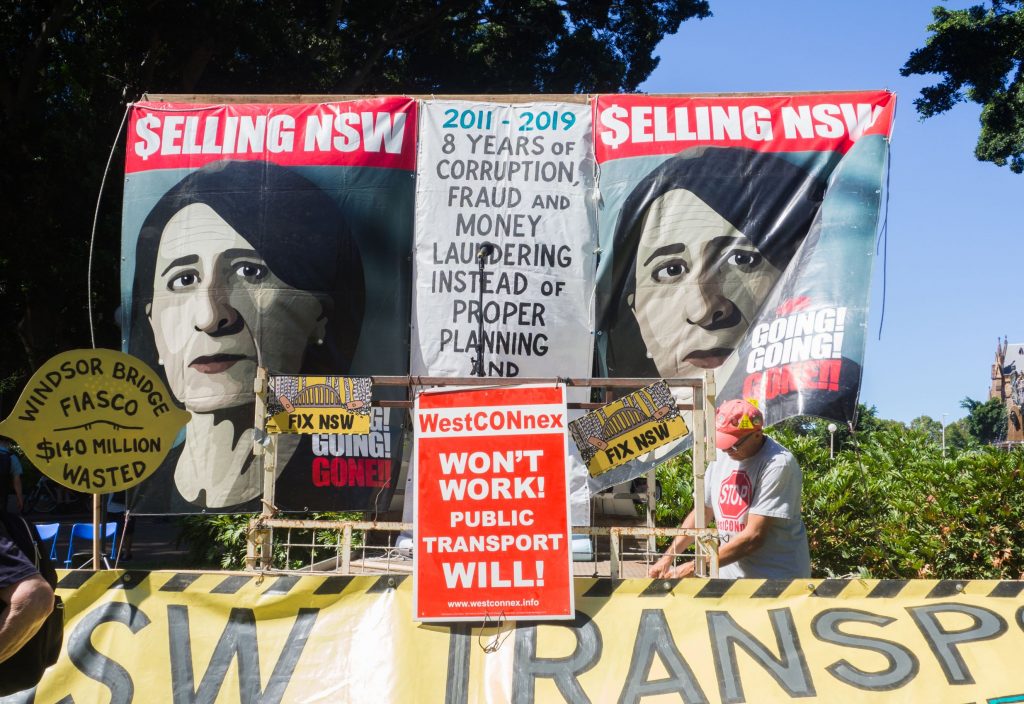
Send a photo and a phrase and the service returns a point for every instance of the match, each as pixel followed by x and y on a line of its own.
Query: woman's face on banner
pixel 214 297
pixel 699 282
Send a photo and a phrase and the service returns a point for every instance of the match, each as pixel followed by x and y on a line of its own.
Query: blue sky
pixel 954 223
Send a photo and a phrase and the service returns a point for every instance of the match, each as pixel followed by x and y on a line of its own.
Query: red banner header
pixel 378 132
pixel 638 125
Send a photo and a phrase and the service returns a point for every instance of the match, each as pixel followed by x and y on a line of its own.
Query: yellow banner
pixel 628 428
pixel 305 405
pixel 222 637
pixel 96 421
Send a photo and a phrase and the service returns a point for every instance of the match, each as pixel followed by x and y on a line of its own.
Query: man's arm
pixel 743 543
pixel 746 541
pixel 663 567
pixel 24 607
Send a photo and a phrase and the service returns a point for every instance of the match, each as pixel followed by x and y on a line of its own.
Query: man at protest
pixel 752 490
pixel 26 598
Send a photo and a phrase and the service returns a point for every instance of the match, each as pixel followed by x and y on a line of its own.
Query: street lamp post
pixel 832 428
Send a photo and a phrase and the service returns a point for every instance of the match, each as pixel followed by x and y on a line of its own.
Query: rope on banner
pixel 883 239
pixel 96 508
pixel 95 220
pixel 499 638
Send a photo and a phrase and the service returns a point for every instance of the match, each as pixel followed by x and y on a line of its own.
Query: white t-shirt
pixel 767 484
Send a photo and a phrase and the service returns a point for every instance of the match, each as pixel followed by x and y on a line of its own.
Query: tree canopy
pixel 70 68
pixel 986 420
pixel 979 53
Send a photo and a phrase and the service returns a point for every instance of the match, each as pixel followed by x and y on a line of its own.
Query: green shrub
pixel 219 541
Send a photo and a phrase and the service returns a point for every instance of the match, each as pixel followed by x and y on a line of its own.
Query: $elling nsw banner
pixel 275 235
pixel 492 510
pixel 737 234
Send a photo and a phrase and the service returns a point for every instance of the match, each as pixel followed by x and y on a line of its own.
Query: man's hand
pixel 660 568
pixel 682 571
pixel 663 569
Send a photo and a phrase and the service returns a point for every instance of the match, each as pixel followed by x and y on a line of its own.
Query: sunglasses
pixel 740 443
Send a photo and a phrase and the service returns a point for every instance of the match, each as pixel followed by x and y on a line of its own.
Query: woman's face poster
pixel 729 226
pixel 272 236
pixel 736 237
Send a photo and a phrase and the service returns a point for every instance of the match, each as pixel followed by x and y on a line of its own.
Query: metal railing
pixel 300 552
pixel 370 547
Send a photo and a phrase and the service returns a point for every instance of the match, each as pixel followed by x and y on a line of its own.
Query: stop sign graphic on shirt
pixel 734 495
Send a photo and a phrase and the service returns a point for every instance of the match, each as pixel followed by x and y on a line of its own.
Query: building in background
pixel 1008 386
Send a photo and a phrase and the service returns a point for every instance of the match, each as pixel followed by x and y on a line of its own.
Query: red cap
pixel 735 420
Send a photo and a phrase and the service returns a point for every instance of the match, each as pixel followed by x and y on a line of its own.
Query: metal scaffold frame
pixel 260 536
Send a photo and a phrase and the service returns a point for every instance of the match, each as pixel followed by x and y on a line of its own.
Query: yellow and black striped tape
pixel 227 583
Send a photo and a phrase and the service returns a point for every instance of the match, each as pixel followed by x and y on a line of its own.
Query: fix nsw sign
pixel 492 509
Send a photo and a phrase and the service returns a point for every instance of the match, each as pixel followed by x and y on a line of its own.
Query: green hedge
pixel 218 541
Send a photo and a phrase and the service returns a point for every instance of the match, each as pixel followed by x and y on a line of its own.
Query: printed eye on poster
pixel 275 236
pixel 492 508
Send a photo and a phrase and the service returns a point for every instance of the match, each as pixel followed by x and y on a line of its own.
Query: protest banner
pixel 628 428
pixel 308 405
pixel 273 235
pixel 737 235
pixel 725 216
pixel 492 509
pixel 96 421
pixel 245 637
pixel 515 180
pixel 668 235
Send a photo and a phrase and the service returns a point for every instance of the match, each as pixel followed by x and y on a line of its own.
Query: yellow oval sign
pixel 96 421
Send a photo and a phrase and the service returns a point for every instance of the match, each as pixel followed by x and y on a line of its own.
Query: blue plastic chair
pixel 48 531
pixel 84 532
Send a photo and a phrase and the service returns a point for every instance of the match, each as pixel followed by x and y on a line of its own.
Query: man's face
pixel 213 298
pixel 699 282
pixel 747 446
